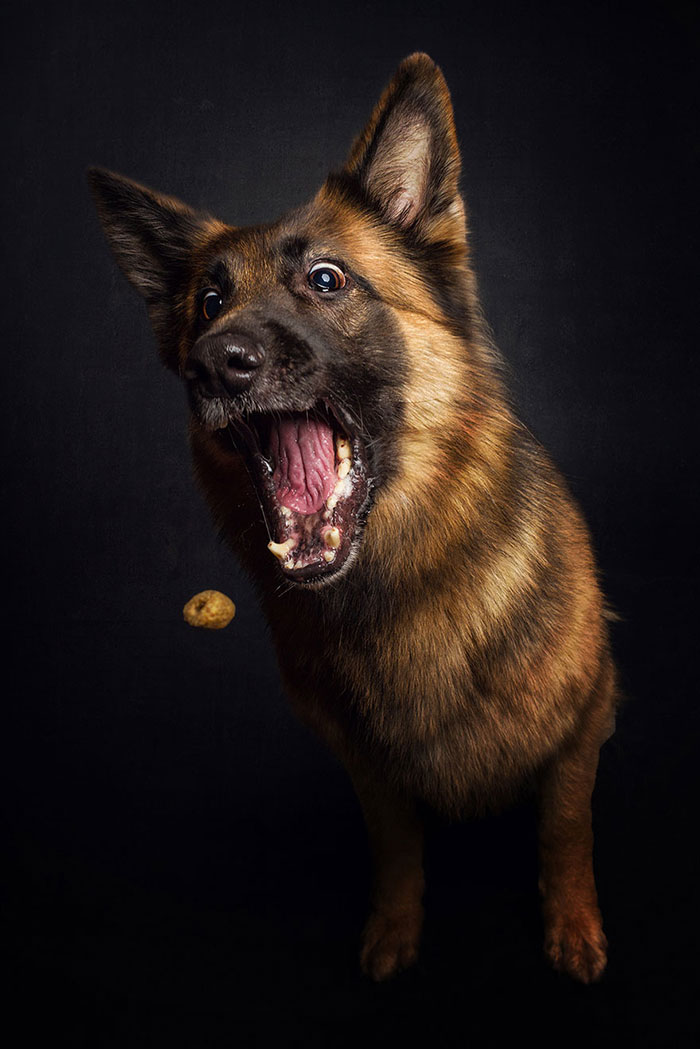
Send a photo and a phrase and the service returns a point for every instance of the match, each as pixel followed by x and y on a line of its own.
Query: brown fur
pixel 465 652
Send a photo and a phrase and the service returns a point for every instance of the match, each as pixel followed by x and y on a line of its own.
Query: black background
pixel 185 864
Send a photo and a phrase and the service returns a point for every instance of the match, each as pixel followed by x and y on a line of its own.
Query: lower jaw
pixel 319 541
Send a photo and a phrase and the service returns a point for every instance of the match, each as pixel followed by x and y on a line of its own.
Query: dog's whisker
pixel 255 488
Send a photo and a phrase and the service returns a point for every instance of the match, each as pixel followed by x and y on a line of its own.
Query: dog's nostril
pixel 235 363
pixel 243 356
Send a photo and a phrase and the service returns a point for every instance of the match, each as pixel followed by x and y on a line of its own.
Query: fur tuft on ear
pixel 407 159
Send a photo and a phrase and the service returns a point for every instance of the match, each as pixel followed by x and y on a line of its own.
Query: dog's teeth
pixel 331 503
pixel 329 555
pixel 281 550
pixel 332 538
pixel 342 447
pixel 339 490
pixel 343 468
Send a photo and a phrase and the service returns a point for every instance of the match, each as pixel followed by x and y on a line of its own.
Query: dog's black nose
pixel 224 364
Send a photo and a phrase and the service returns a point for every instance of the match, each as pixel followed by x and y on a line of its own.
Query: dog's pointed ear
pixel 152 236
pixel 407 159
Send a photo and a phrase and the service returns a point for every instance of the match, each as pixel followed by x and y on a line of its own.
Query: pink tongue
pixel 304 456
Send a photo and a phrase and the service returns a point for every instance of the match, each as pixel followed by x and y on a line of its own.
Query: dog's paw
pixel 389 944
pixel 576 945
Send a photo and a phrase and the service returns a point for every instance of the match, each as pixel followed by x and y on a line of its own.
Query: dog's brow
pixel 219 274
pixel 294 250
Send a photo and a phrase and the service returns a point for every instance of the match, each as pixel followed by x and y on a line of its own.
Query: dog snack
pixel 210 609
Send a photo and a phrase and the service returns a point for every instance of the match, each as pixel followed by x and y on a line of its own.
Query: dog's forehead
pixel 235 249
pixel 317 230
pixel 299 235
pixel 252 258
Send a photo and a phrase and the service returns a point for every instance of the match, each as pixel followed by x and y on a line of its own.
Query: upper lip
pixel 342 416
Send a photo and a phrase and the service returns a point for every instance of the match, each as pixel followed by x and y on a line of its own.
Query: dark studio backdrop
pixel 185 864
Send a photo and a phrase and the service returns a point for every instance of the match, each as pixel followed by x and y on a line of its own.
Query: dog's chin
pixel 312 475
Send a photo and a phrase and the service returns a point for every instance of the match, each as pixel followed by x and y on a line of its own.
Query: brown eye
pixel 325 276
pixel 211 305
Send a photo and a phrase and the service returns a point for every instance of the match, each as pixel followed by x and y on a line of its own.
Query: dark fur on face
pixel 441 627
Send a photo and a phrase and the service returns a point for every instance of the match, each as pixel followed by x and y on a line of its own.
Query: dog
pixel 426 574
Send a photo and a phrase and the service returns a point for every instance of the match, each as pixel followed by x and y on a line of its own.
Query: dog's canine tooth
pixel 342 447
pixel 332 538
pixel 343 468
pixel 281 550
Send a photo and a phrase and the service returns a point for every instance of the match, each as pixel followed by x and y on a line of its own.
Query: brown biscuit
pixel 210 609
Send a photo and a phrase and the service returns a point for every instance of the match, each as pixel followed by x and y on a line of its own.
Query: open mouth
pixel 311 474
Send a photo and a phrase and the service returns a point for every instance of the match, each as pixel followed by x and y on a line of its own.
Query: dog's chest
pixel 408 705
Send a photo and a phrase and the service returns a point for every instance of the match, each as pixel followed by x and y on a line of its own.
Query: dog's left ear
pixel 407 159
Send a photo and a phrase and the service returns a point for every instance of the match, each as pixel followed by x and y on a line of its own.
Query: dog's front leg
pixel 574 939
pixel 392 933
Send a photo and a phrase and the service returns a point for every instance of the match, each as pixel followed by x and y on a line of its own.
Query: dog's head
pixel 325 347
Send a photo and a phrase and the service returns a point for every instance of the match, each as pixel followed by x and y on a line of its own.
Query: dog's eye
pixel 211 305
pixel 324 276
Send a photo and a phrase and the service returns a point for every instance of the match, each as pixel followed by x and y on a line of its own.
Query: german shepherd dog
pixel 427 576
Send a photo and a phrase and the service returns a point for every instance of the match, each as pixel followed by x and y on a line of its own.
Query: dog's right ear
pixel 152 236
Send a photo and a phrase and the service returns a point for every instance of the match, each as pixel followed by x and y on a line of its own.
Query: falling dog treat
pixel 210 609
